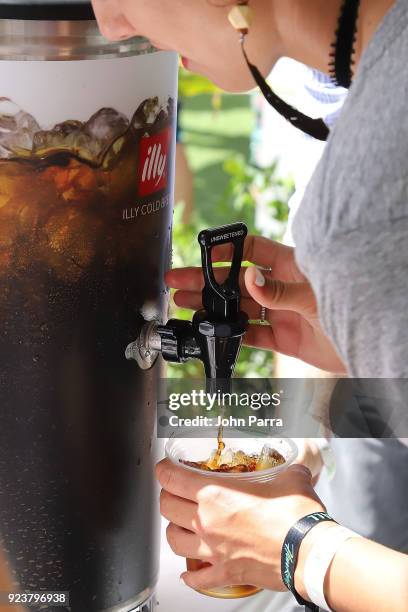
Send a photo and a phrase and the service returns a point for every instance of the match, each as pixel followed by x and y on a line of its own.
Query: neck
pixel 371 16
pixel 307 28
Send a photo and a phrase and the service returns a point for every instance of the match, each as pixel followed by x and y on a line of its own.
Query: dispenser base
pixel 147 606
pixel 144 602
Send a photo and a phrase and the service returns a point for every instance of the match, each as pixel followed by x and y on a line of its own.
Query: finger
pixel 191 279
pixel 111 22
pixel 180 482
pixel 261 336
pixel 279 295
pixel 301 480
pixel 263 252
pixel 188 299
pixel 258 250
pixel 186 544
pixel 282 335
pixel 181 512
pixel 193 301
pixel 299 472
pixel 207 578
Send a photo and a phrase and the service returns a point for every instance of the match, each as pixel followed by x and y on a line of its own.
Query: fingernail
pixel 259 278
pixel 182 578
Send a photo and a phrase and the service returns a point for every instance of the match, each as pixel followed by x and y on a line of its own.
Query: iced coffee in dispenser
pixel 87 139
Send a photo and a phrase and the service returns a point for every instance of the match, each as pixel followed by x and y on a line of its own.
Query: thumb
pixel 209 577
pixel 278 295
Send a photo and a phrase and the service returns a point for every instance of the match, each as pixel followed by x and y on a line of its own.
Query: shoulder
pixel 363 175
pixel 351 231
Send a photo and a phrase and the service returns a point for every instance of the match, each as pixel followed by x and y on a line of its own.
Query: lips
pixel 159 46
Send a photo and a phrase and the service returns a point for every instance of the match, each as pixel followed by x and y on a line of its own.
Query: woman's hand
pixel 286 294
pixel 239 530
pixel 310 456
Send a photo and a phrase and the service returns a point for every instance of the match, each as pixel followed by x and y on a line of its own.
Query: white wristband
pixel 318 561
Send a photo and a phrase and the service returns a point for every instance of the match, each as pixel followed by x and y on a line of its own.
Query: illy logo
pixel 154 159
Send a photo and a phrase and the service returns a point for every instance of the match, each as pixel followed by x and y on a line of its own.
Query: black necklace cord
pixel 341 65
pixel 313 127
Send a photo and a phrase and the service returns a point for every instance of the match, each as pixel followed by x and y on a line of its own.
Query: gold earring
pixel 240 17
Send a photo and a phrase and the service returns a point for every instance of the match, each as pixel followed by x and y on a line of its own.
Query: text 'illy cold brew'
pixel 86 181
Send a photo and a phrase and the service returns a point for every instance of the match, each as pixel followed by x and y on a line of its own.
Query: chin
pixel 232 82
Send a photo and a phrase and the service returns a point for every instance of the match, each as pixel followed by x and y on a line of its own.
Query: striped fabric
pixel 327 97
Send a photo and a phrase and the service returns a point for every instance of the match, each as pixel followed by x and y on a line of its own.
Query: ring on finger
pixel 268 270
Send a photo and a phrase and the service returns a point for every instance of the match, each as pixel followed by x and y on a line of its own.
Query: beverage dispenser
pixel 87 140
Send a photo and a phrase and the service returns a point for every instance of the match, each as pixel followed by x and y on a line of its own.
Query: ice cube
pixel 170 107
pixel 147 113
pixel 228 457
pixel 213 460
pixel 237 469
pixel 88 140
pixel 241 458
pixel 71 238
pixel 104 127
pixel 75 182
pixel 269 458
pixel 64 136
pixel 17 130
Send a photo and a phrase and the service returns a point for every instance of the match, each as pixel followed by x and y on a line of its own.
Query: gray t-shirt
pixel 351 231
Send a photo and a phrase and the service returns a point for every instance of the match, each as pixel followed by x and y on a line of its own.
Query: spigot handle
pixel 222 300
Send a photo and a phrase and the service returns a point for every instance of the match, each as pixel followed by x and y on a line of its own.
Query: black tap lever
pixel 222 300
pixel 219 328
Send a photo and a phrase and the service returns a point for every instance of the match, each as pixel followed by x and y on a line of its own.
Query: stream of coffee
pixel 215 460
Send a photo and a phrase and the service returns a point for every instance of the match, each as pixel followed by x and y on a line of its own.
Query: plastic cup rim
pixel 261 475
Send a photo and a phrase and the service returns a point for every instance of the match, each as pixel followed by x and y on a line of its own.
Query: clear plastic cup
pixel 186 447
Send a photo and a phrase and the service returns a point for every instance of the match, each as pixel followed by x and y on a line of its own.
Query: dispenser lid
pixel 47 10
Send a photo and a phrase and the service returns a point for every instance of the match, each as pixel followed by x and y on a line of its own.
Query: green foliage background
pixel 216 130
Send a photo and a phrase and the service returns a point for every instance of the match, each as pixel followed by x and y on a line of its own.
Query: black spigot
pixel 219 328
pixel 216 332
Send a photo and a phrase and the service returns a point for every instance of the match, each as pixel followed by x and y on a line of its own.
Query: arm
pixel 240 532
pixel 363 576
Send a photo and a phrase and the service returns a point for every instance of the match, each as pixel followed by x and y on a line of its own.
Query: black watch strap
pixel 290 552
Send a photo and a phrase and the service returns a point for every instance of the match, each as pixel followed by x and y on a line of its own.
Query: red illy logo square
pixel 154 159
